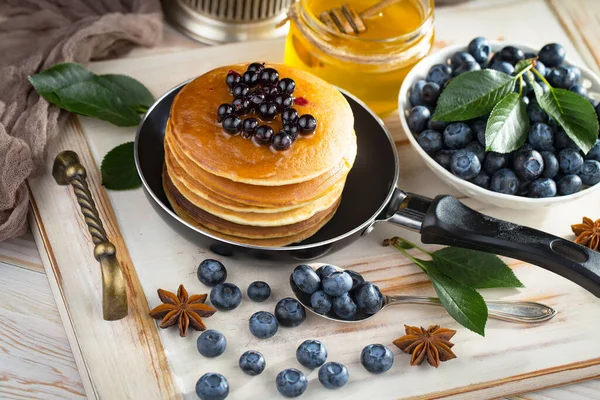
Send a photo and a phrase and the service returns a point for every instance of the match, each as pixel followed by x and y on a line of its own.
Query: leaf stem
pixel 535 71
pixel 530 66
pixel 393 241
pixel 521 86
pixel 413 259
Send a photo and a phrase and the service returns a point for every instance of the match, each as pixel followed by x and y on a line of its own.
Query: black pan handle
pixel 449 222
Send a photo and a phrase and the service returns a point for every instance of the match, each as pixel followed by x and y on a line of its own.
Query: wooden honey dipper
pixel 347 20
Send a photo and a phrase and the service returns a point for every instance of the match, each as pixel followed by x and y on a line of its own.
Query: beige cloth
pixel 36 35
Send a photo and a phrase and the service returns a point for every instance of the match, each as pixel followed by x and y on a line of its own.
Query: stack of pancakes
pixel 234 189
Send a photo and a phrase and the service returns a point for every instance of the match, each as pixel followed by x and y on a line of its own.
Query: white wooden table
pixel 35 357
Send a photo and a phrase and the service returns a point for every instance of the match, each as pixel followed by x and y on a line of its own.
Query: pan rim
pixel 171 213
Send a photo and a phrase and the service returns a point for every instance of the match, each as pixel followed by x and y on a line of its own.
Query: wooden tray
pixel 132 358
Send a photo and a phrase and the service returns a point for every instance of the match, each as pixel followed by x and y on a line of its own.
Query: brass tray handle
pixel 68 170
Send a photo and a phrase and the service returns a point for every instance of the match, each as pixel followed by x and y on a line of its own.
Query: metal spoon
pixel 511 311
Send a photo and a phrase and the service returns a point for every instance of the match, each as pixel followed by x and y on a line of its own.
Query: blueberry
pixel 415 97
pixel 311 354
pixel 541 137
pixel 268 76
pixel 494 162
pixel 504 181
pixel 466 67
pixel 594 153
pixel 562 77
pixel 430 93
pixel 580 90
pixel 291 129
pixel 528 164
pixel 291 382
pixel 503 66
pixel 249 126
pixel 430 141
pixel 241 89
pixel 289 312
pixel 570 161
pixel 211 343
pixel 333 375
pixel 256 99
pixel 541 68
pixel 256 67
pixel 459 58
pixel 263 135
pixel 417 119
pixel 286 85
pixel 529 54
pixel 337 283
pixel 465 164
pixel 437 125
pixel 251 78
pixel 457 135
pixel 325 270
pixel 368 298
pixel 259 291
pixel 321 302
pixel 478 127
pixel 552 55
pixel 577 73
pixel 223 111
pixel 270 90
pixel 232 124
pixel 212 386
pixel 232 79
pixel 267 111
pixel 306 279
pixel 551 166
pixel 241 105
pixel 439 73
pixel 569 184
pixel 482 180
pixel 480 49
pixel 542 187
pixel 563 141
pixel 289 115
pixel 211 272
pixel 263 324
pixel 444 157
pixel 476 148
pixel 225 296
pixel 376 358
pixel 307 124
pixel 535 113
pixel 590 172
pixel 344 307
pixel 525 100
pixel 282 141
pixel 357 278
pixel 252 363
pixel 283 101
pixel 511 54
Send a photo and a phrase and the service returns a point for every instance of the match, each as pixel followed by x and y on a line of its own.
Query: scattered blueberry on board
pixel 549 164
pixel 263 324
pixel 211 272
pixel 376 358
pixel 211 343
pixel 259 291
pixel 290 312
pixel 252 363
pixel 225 296
pixel 291 382
pixel 311 354
pixel 333 375
pixel 212 386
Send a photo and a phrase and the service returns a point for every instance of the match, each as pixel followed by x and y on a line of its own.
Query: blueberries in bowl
pixel 480 49
pixel 465 164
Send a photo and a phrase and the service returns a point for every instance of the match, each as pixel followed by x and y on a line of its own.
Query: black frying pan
pixel 371 196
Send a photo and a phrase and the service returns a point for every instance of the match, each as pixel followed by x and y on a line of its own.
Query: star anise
pixel 433 344
pixel 182 310
pixel 588 233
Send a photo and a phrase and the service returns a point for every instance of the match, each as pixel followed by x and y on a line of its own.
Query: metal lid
pixel 222 21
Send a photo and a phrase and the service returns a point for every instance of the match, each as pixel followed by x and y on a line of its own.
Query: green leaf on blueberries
pixel 118 169
pixel 508 125
pixel 572 112
pixel 472 94
pixel 463 303
pixel 113 98
pixel 474 268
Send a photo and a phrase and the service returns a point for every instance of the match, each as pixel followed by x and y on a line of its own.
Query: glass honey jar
pixel 371 64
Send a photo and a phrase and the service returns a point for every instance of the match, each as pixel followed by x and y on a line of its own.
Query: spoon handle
pixel 512 311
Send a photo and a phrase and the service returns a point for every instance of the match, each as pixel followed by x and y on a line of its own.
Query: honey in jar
pixel 371 64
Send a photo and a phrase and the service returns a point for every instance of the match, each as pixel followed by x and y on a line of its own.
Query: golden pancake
pixel 201 138
pixel 257 219
pixel 229 228
pixel 279 197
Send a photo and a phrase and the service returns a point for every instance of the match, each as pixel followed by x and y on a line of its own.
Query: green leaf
pixel 573 113
pixel 472 94
pixel 73 88
pixel 463 303
pixel 118 169
pixel 508 125
pixel 475 268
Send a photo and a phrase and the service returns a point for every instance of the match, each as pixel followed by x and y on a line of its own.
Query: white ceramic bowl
pixel 589 79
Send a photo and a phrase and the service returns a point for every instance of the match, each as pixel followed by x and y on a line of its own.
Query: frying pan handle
pixel 449 222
